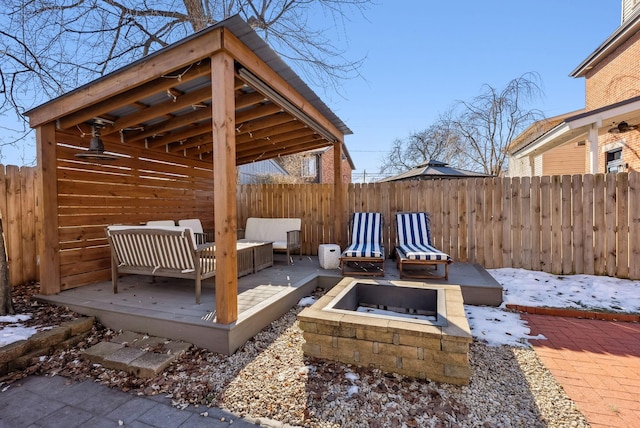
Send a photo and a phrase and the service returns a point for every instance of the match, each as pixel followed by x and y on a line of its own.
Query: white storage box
pixel 329 255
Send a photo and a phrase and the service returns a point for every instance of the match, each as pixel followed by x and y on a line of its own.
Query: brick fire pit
pixel 434 347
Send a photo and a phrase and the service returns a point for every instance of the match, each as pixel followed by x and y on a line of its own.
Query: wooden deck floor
pixel 167 308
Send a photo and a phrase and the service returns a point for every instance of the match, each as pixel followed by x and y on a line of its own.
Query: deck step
pixel 138 354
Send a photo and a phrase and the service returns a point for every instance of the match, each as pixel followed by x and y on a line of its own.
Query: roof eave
pixel 615 40
pixel 240 29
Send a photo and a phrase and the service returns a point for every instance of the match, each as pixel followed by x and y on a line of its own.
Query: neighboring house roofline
pixel 579 125
pixel 613 42
pixel 537 129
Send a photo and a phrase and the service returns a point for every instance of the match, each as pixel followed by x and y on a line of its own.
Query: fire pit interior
pixel 410 328
pixel 422 305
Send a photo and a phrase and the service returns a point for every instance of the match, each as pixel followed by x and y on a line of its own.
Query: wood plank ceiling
pixel 172 114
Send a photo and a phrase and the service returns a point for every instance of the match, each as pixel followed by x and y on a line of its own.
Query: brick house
pixel 317 166
pixel 603 137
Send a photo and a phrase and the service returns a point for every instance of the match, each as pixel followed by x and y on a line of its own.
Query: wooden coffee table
pixel 253 256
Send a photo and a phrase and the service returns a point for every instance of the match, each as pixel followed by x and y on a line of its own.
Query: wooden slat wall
pixel 560 224
pixel 131 190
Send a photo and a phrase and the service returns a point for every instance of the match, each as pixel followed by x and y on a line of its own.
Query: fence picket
pixel 587 204
pixel 556 224
pixel 535 223
pixel 506 222
pixel 578 224
pixel 599 232
pixel 622 229
pixel 452 225
pixel 13 225
pixel 545 224
pixel 516 223
pixel 634 224
pixel 463 221
pixel 610 224
pixel 488 223
pixel 565 228
pixel 525 212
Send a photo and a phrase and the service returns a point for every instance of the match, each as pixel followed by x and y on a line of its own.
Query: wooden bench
pixel 159 251
pixel 283 233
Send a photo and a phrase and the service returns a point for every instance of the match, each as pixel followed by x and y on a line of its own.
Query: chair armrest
pixel 203 238
pixel 206 249
pixel 293 239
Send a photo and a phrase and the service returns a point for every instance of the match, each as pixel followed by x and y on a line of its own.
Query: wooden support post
pixel 593 149
pixel 339 193
pixel 224 187
pixel 47 206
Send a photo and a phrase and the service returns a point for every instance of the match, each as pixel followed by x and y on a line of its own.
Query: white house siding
pixel 537 165
pixel 519 167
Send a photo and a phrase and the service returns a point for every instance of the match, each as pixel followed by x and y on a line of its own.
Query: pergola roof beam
pixel 131 96
pixel 291 125
pixel 312 143
pixel 192 130
pixel 186 100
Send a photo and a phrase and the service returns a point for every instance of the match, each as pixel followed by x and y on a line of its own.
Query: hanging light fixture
pixel 621 128
pixel 96 147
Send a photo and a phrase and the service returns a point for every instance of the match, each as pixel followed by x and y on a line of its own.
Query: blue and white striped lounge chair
pixel 365 252
pixel 415 246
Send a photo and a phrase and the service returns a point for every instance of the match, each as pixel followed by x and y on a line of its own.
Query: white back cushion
pixel 154 223
pixel 270 229
pixel 193 223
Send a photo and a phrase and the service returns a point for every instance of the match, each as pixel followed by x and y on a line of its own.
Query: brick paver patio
pixel 596 362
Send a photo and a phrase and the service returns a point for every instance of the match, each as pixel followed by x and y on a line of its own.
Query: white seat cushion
pixel 271 229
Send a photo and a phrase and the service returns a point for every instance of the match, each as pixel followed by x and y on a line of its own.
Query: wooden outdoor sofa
pixel 283 233
pixel 414 246
pixel 159 251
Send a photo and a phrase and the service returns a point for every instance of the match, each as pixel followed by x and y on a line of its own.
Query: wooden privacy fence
pixel 561 224
pixel 18 208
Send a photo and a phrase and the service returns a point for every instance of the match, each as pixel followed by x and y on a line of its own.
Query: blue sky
pixel 422 56
pixel 425 55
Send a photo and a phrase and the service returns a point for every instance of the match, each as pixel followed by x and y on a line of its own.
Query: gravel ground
pixel 270 381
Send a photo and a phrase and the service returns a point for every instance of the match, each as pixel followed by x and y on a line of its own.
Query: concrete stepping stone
pixel 138 354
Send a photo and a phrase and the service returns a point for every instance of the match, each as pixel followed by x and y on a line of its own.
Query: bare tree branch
pixel 49 47
pixel 490 121
pixel 439 141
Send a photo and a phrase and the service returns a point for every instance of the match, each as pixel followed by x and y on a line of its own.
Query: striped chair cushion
pixel 366 228
pixel 414 238
pixel 421 252
pixel 414 229
pixel 363 250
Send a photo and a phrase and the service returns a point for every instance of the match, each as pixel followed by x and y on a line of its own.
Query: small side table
pixel 329 255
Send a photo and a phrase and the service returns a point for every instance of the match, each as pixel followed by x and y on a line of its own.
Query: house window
pixel 309 166
pixel 614 161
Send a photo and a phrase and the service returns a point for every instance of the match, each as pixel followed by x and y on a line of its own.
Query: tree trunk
pixel 197 16
pixel 6 305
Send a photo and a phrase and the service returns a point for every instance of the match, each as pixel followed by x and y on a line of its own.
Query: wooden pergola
pixel 174 126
